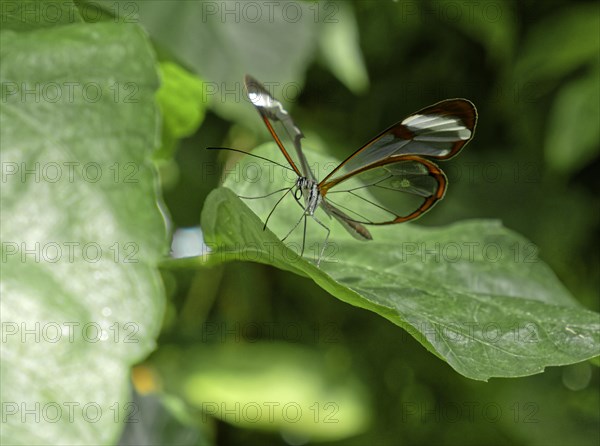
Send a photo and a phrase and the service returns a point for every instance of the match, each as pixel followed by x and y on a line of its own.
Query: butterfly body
pixel 309 189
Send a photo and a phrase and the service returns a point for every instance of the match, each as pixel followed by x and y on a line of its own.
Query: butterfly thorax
pixel 309 189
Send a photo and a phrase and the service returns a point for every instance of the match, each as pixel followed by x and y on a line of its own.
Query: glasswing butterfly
pixel 387 180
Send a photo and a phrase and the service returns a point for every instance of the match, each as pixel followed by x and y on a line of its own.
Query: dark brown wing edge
pixel 458 108
pixel 251 83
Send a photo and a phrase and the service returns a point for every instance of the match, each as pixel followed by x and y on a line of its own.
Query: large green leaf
pixel 26 15
pixel 223 41
pixel 82 232
pixel 474 293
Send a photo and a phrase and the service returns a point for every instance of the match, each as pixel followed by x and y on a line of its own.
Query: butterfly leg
pixel 295 226
pixel 276 204
pixel 325 242
pixel 304 212
pixel 303 237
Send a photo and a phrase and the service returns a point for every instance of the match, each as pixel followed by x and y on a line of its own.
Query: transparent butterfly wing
pixel 439 131
pixel 394 190
pixel 281 126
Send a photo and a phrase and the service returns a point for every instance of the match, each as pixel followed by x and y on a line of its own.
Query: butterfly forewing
pixel 391 191
pixel 279 122
pixel 438 131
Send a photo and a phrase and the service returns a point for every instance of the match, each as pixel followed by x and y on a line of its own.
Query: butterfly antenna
pixel 251 154
pixel 264 196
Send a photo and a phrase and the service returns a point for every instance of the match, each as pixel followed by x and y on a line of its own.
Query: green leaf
pixel 559 44
pixel 339 44
pixel 474 293
pixel 82 233
pixel 182 103
pixel 268 386
pixel 272 41
pixel 573 136
pixel 27 15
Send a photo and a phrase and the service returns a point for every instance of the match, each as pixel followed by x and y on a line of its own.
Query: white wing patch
pixel 437 128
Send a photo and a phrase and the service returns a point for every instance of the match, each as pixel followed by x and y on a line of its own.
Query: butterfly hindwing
pixel 394 190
